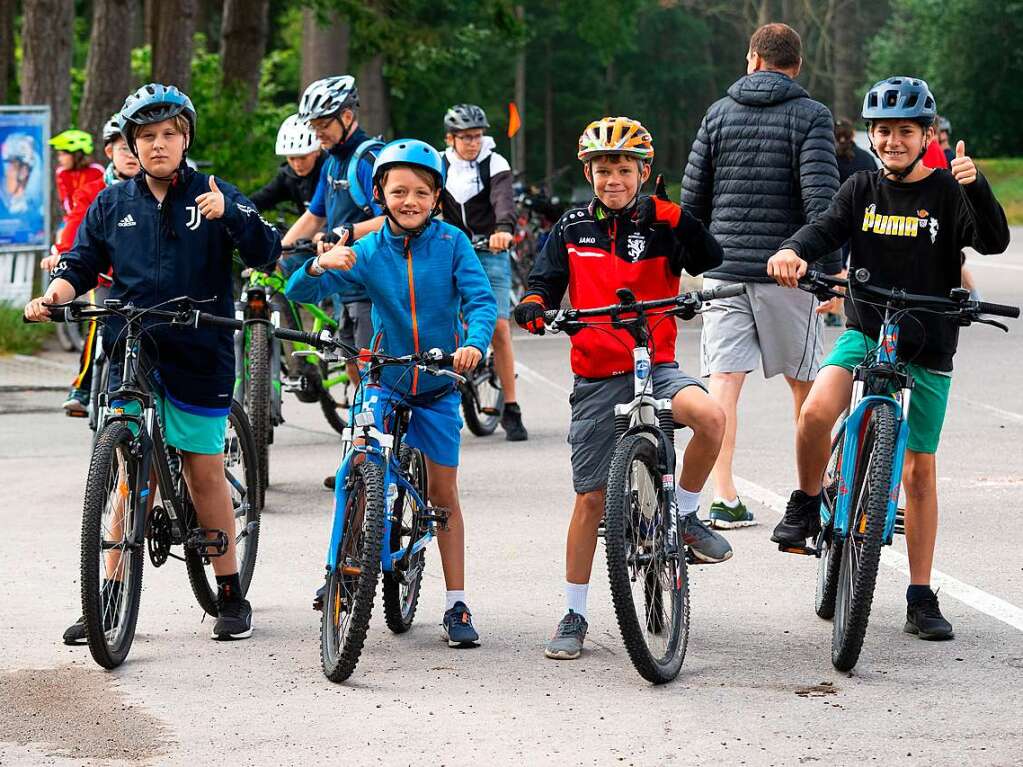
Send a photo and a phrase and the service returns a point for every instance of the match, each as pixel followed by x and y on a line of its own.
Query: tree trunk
pixel 6 48
pixel 548 117
pixel 173 34
pixel 46 62
pixel 108 69
pixel 845 61
pixel 519 139
pixel 324 47
pixel 242 45
pixel 374 98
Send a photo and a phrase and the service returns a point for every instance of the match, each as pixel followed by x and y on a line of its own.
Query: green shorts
pixel 930 394
pixel 186 431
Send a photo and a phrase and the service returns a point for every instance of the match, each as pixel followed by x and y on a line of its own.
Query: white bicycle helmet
pixel 295 138
pixel 20 147
pixel 327 97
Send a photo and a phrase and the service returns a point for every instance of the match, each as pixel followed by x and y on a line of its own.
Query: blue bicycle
pixel 859 502
pixel 385 522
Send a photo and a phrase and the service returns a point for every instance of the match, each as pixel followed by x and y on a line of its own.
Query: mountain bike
pixel 859 503
pixel 121 521
pixel 385 521
pixel 261 370
pixel 646 561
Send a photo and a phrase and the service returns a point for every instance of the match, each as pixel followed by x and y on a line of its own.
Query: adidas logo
pixel 127 221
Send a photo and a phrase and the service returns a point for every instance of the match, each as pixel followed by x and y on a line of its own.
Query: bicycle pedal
pixel 806 551
pixel 436 515
pixel 202 539
pixel 900 521
pixel 490 411
pixel 76 413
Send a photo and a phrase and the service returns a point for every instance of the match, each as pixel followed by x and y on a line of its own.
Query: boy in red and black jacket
pixel 622 240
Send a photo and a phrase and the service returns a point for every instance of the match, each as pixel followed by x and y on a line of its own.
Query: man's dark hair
pixel 778 45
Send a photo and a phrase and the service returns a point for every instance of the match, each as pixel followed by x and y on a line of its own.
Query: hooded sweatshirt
pixel 478 196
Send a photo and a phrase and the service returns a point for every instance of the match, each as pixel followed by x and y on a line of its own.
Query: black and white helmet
pixel 295 138
pixel 112 129
pixel 327 97
pixel 465 117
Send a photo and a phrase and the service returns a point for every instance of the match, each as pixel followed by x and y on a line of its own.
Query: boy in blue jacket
pixel 417 273
pixel 171 232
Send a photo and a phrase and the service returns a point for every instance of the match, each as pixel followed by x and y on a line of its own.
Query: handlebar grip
pixel 551 314
pixel 311 339
pixel 998 310
pixel 224 322
pixel 444 361
pixel 723 291
pixel 57 314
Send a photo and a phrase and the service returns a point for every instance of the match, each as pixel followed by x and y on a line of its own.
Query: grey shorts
pixel 592 430
pixel 356 325
pixel 776 326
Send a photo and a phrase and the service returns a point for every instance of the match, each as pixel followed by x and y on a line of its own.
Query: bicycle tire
pixel 329 405
pixel 69 336
pixel 258 405
pixel 111 449
pixel 831 556
pixel 483 399
pixel 858 570
pixel 243 454
pixel 399 608
pixel 620 537
pixel 340 655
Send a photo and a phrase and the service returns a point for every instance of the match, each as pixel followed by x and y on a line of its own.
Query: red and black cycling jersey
pixel 592 252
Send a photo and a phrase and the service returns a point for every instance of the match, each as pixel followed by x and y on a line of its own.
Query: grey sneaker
pixel 567 642
pixel 724 517
pixel 707 546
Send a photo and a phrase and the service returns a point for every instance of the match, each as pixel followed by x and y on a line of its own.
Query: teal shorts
pixel 930 393
pixel 186 431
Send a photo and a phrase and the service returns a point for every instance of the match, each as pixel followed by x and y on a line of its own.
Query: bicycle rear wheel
pixel 351 585
pixel 861 548
pixel 111 566
pixel 241 471
pixel 401 588
pixel 483 399
pixel 648 576
pixel 831 555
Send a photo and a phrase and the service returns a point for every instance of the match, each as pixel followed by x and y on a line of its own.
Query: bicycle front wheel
pixel 647 572
pixel 111 562
pixel 861 547
pixel 483 399
pixel 258 393
pixel 351 584
pixel 831 555
pixel 241 472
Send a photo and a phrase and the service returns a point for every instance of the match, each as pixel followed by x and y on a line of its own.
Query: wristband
pixel 315 269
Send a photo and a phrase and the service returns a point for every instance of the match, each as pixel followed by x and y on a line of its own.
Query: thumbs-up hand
pixel 211 203
pixel 963 169
pixel 658 209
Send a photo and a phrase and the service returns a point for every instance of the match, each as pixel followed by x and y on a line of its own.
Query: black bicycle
pixel 646 560
pixel 121 520
pixel 482 394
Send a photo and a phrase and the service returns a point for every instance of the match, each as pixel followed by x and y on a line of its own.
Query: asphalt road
pixel 757 686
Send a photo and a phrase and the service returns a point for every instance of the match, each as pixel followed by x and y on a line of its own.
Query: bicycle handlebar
pixel 691 300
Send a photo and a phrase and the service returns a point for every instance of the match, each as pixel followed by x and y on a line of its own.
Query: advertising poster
pixel 24 192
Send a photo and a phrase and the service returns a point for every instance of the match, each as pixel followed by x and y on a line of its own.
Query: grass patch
pixel 1006 177
pixel 18 338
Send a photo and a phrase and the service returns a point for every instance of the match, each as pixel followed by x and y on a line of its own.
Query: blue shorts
pixel 498 269
pixel 434 425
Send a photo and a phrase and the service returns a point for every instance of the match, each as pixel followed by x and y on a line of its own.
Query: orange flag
pixel 514 121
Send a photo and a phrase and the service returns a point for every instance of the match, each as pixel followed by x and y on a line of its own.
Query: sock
pixel 916 592
pixel 452 596
pixel 686 500
pixel 230 585
pixel 575 597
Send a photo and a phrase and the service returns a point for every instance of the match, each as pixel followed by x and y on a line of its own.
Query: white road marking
pixel 1007 414
pixel 988 264
pixel 969 595
pixel 532 376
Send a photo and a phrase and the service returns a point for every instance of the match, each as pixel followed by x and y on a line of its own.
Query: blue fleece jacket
pixel 418 301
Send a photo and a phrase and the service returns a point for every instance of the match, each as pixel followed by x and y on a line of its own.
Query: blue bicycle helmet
pixel 906 98
pixel 155 103
pixel 409 151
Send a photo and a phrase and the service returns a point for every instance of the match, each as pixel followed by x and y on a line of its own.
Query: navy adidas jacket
pixel 161 251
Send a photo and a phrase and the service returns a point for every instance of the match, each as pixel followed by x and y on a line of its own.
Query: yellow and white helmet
pixel 616 135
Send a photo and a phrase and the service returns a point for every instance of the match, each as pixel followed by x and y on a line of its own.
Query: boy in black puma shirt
pixel 906 224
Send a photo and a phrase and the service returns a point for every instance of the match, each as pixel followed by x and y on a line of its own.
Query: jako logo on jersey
pixel 636 244
pixel 899 226
pixel 127 221
pixel 194 217
pixel 587 240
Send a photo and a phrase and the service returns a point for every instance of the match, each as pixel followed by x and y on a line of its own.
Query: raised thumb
pixel 960 148
pixel 213 185
pixel 659 189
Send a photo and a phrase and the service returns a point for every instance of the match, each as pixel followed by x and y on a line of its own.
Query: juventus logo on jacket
pixel 194 217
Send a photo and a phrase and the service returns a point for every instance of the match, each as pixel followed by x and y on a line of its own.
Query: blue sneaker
pixel 458 629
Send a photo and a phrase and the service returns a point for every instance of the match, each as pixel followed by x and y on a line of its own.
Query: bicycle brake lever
pixel 992 323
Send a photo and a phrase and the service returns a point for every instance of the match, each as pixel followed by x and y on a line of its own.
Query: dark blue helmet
pixel 155 103
pixel 900 98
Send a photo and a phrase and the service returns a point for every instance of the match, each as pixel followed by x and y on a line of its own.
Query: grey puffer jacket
pixel 763 164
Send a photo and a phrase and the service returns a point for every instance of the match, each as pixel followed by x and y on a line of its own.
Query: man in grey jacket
pixel 763 164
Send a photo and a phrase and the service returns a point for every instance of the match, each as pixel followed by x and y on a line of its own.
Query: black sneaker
pixel 458 628
pixel 330 481
pixel 234 617
pixel 802 520
pixel 511 422
pixel 75 633
pixel 924 618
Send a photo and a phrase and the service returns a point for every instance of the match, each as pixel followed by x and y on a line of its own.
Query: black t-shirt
pixel 908 236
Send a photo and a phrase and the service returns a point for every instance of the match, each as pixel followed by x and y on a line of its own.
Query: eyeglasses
pixel 321 124
pixel 469 138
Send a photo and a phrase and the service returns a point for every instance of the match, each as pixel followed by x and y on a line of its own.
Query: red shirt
pixel 934 157
pixel 69 181
pixel 80 201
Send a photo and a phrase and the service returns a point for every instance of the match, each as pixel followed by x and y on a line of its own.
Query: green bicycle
pixel 262 371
